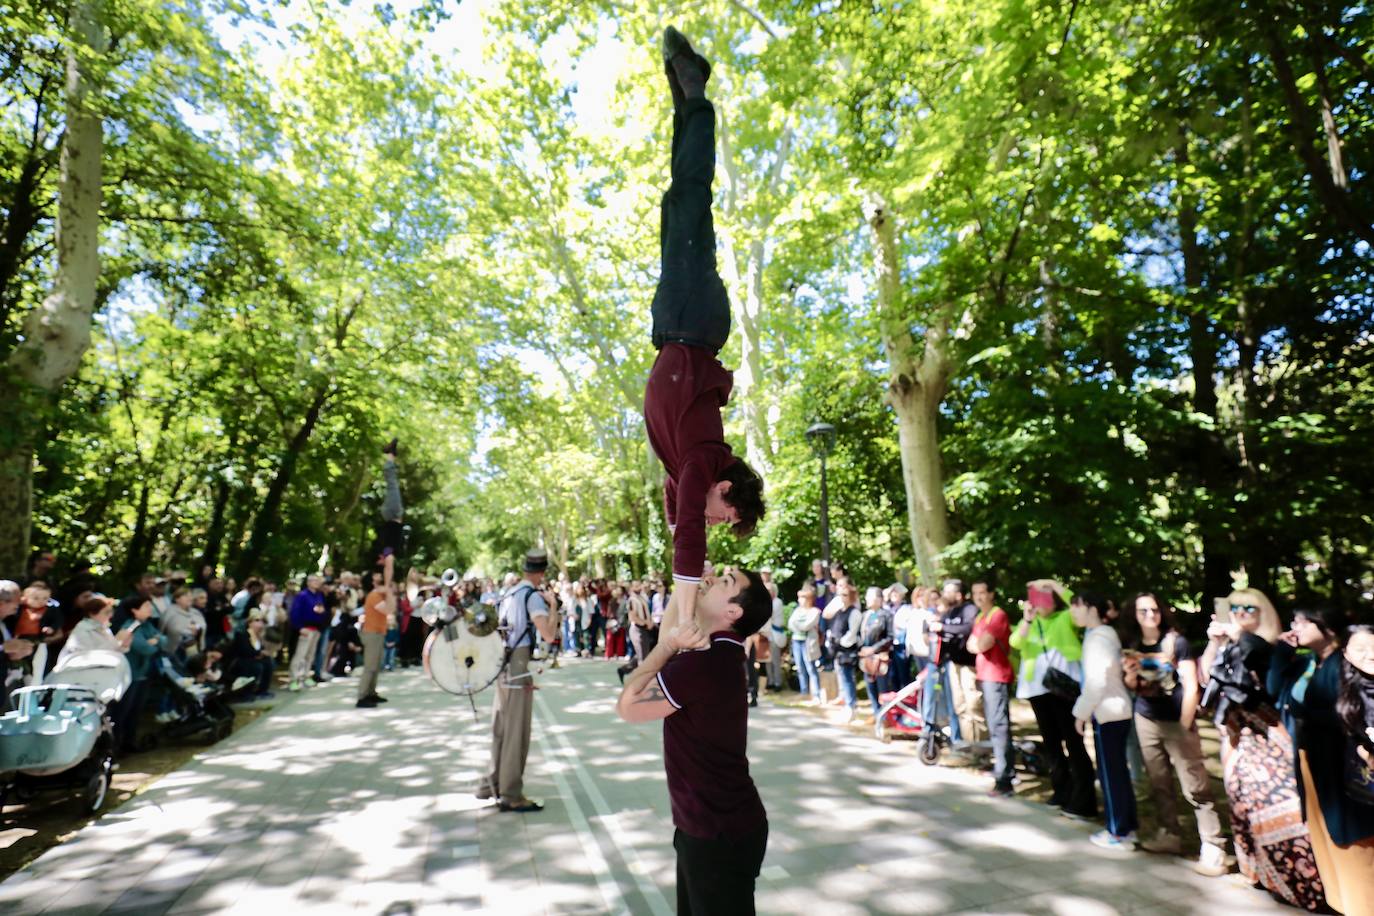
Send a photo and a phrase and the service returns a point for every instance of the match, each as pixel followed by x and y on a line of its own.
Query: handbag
pixel 1062 685
pixel 875 665
pixel 1359 776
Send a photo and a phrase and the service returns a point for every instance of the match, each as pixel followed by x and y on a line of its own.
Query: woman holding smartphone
pixel 1257 753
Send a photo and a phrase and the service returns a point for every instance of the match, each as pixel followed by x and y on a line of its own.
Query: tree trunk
pixel 1202 350
pixel 744 259
pixel 214 536
pixel 1340 206
pixel 57 332
pixel 265 521
pixel 916 387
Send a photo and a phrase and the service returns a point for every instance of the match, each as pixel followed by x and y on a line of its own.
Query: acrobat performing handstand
pixel 693 679
pixel 706 484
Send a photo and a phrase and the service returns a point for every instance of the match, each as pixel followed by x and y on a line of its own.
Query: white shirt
pixel 1104 695
pixel 513 613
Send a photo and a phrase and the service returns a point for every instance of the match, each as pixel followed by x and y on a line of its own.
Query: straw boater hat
pixel 536 561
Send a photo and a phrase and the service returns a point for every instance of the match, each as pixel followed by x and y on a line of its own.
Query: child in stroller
pixel 200 706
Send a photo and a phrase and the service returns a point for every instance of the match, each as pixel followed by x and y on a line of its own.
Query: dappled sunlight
pixel 318 808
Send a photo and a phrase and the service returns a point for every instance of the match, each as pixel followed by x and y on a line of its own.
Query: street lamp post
pixel 822 439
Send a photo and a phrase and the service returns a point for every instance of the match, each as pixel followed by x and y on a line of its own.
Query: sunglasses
pixel 1244 609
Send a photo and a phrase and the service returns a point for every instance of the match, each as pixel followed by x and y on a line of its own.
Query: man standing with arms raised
pixel 692 680
pixel 706 484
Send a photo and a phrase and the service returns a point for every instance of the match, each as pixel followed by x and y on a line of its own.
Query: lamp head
pixel 822 438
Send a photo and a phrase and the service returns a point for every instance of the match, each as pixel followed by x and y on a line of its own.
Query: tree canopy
pixel 1084 288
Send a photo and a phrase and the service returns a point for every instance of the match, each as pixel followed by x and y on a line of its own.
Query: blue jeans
pixel 807 675
pixel 877 686
pixel 1118 794
pixel 845 674
pixel 939 675
pixel 319 655
pixel 570 628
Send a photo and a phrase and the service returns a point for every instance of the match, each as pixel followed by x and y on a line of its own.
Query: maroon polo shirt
pixel 712 794
pixel 687 389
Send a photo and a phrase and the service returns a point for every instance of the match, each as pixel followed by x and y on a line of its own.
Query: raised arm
pixel 643 699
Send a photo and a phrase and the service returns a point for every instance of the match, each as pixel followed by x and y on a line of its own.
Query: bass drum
pixel 461 662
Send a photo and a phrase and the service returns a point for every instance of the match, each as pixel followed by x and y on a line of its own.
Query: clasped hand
pixel 686 636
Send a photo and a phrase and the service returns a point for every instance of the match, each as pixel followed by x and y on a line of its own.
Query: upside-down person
pixel 692 680
pixel 706 484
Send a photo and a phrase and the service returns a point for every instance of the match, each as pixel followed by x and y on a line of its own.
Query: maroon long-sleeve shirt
pixel 687 389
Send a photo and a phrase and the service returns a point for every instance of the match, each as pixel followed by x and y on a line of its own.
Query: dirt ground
pixel 29 830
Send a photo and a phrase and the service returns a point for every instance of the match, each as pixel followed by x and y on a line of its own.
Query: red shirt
pixel 994 664
pixel 687 388
pixel 712 793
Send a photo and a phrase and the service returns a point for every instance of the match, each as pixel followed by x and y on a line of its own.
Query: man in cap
pixel 527 608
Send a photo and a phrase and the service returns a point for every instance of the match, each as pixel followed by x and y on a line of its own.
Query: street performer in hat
pixel 527 608
pixel 706 484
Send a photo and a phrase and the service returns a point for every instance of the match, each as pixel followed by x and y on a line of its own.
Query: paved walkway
pixel 323 808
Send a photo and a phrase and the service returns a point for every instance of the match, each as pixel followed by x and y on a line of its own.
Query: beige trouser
pixel 304 659
pixel 511 714
pixel 1169 748
pixel 1347 871
pixel 373 643
pixel 968 703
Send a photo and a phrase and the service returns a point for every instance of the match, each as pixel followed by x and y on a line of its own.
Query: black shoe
pixel 376 699
pixel 366 703
pixel 753 701
pixel 523 806
pixel 390 448
pixel 675 43
pixel 1001 792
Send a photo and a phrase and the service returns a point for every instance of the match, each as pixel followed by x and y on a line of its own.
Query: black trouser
pixel 716 877
pixel 690 303
pixel 125 715
pixel 1071 771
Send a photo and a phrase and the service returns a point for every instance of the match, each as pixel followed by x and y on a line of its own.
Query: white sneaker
pixel 241 682
pixel 1211 862
pixel 1163 843
pixel 164 717
pixel 1105 839
pixel 851 715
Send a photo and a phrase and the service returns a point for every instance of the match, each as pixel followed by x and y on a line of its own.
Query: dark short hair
pixel 985 581
pixel 746 495
pixel 755 602
pixel 1093 600
pixel 1330 619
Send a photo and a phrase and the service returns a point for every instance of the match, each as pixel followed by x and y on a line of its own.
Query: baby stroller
pixel 201 709
pixel 900 715
pixel 60 736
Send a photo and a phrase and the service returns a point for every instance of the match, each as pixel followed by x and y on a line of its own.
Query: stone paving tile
pixel 323 808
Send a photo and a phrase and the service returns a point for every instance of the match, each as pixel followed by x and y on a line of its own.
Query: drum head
pixel 461 662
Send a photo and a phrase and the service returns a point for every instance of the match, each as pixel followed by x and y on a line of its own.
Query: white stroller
pixel 60 735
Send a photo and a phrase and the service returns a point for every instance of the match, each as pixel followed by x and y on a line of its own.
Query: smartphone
pixel 1221 609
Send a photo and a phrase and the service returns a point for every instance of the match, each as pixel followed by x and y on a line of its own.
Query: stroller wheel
pixel 930 750
pixel 98 786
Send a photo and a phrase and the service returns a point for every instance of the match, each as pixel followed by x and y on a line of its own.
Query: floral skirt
pixel 1273 847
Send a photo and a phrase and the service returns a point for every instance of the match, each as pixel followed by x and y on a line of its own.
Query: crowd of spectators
pixel 198 635
pixel 1294 707
pixel 1294 710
